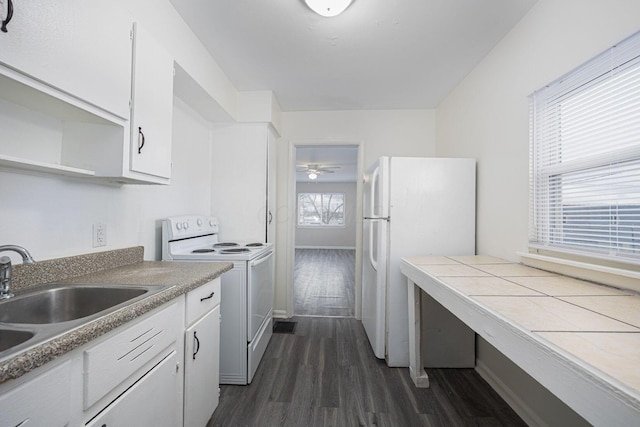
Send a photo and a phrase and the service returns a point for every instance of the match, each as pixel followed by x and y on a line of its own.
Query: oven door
pixel 260 293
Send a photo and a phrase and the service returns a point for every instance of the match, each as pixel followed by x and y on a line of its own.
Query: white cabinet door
pixel 79 47
pixel 201 369
pixel 152 106
pixel 149 402
pixel 243 194
pixel 271 186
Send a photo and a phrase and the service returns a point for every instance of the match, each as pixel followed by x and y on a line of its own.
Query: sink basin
pixel 10 338
pixel 65 303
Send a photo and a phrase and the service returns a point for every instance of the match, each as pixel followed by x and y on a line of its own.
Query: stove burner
pixel 224 244
pixel 234 251
pixel 252 245
pixel 202 251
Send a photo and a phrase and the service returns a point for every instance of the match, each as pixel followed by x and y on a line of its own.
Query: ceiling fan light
pixel 313 175
pixel 328 8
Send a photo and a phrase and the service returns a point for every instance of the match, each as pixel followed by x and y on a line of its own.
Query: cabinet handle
pixel 197 342
pixel 208 297
pixel 270 217
pixel 140 140
pixel 9 16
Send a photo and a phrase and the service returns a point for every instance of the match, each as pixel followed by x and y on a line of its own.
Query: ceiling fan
pixel 313 170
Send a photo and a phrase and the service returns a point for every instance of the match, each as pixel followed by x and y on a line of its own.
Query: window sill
pixel 616 277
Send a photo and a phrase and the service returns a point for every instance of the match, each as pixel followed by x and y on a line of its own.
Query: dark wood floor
pixel 326 375
pixel 324 282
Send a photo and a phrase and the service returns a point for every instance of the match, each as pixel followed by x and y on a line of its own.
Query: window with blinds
pixel 585 158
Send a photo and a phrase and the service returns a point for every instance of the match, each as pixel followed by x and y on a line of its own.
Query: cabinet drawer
pixel 202 300
pixel 114 360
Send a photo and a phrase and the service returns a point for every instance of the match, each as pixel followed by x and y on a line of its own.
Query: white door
pixel 374 264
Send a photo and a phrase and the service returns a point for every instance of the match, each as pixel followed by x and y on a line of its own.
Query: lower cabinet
pixel 202 354
pixel 161 369
pixel 151 401
pixel 201 369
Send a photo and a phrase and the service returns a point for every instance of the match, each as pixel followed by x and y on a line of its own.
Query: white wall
pixel 330 237
pixel 53 217
pixel 383 132
pixel 487 116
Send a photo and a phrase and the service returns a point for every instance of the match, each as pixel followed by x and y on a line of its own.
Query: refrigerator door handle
pixel 374 263
pixel 372 196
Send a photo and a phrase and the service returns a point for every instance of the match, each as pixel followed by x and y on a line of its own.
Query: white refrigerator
pixel 413 206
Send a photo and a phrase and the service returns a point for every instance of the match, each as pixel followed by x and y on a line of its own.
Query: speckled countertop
pixel 117 267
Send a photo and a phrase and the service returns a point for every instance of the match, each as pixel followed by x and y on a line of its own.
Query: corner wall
pixel 487 115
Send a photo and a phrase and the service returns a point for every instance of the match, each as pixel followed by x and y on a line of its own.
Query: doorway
pixel 326 229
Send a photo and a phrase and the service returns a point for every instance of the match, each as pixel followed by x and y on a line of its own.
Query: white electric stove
pixel 247 290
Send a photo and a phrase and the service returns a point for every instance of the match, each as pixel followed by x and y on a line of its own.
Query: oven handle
pixel 260 260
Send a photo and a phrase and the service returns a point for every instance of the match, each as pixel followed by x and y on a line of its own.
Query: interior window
pixel 320 209
pixel 585 158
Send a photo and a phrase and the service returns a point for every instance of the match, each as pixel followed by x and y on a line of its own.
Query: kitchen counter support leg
pixel 417 372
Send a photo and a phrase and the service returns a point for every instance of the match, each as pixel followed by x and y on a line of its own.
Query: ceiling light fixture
pixel 313 175
pixel 328 8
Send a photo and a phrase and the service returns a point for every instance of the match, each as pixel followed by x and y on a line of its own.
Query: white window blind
pixel 585 158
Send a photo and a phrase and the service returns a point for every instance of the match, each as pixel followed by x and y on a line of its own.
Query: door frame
pixel 291 214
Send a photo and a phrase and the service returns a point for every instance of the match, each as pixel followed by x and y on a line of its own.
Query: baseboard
pixel 352 248
pixel 520 407
pixel 280 314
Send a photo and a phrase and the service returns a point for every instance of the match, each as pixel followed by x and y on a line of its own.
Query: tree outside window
pixel 321 209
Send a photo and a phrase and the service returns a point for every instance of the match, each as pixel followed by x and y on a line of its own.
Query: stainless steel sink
pixel 11 338
pixel 62 304
pixel 39 314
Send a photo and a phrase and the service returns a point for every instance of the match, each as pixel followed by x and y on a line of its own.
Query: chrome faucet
pixel 5 268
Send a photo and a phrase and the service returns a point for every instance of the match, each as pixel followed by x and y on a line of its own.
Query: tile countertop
pixel 592 323
pixel 117 267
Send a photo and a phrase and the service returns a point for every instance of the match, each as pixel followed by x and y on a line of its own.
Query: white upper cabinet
pixel 81 48
pixel 243 176
pixel 151 106
pixel 79 87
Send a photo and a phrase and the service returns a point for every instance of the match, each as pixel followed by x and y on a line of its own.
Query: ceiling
pixel 343 158
pixel 379 54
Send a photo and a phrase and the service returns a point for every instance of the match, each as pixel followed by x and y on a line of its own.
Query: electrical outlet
pixel 99 234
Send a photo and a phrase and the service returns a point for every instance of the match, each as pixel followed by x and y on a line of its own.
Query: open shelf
pixel 37 166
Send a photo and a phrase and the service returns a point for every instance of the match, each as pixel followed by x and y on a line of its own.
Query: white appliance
pixel 412 206
pixel 247 290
